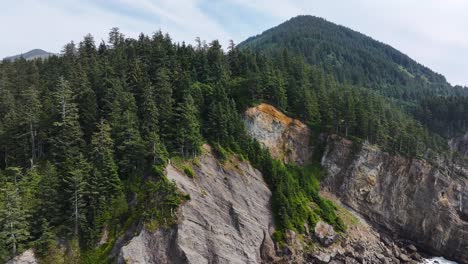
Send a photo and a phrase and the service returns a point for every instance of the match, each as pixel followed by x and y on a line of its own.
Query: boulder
pixel 411 248
pixel 322 258
pixel 404 258
pixel 27 257
pixel 324 233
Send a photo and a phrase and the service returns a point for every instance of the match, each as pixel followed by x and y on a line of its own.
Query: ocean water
pixel 439 260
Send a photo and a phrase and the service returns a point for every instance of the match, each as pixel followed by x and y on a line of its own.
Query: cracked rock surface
pixel 227 220
pixel 287 139
pixel 424 202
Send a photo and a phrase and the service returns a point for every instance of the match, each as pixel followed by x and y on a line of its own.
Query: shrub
pixel 189 172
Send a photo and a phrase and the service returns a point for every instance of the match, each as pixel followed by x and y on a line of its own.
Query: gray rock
pixel 411 248
pixel 416 256
pixel 27 257
pixel 379 256
pixel 412 198
pixel 267 250
pixel 404 258
pixel 287 139
pixel 359 247
pixel 324 233
pixel 323 258
pixel 350 260
pixel 227 219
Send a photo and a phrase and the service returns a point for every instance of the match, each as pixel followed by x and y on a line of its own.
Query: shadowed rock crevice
pixel 411 198
pixel 235 219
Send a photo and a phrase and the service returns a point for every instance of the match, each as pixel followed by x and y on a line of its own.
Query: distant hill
pixel 32 54
pixel 351 57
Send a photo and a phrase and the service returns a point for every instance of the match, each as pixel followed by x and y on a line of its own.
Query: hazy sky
pixel 433 32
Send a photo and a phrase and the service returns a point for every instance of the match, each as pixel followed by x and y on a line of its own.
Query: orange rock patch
pixel 277 115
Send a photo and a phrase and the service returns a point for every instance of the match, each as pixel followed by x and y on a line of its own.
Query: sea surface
pixel 438 260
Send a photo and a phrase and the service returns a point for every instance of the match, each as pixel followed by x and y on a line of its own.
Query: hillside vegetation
pixel 353 58
pixel 86 134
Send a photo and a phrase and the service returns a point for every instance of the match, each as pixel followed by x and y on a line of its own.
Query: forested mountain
pixel 31 55
pixel 352 57
pixel 85 136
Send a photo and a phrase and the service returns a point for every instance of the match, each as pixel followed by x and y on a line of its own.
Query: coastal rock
pixel 227 219
pixel 460 144
pixel 287 139
pixel 324 233
pixel 426 203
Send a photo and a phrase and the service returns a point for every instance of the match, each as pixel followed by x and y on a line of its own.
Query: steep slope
pixel 350 56
pixel 412 198
pixel 361 242
pixel 287 139
pixel 31 55
pixel 227 219
pixel 460 144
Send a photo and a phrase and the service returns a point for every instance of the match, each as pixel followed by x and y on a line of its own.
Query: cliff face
pixel 227 219
pixel 460 144
pixel 412 198
pixel 287 139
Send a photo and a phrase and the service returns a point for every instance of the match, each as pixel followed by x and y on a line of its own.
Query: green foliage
pixel 295 199
pixel 188 137
pixel 13 219
pixel 220 152
pixel 159 201
pixel 352 57
pixel 189 172
pixel 448 116
pixel 82 134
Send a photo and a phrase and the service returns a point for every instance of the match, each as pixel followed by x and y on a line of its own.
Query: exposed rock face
pixel 26 257
pixel 325 233
pixel 460 144
pixel 425 203
pixel 361 243
pixel 227 219
pixel 287 139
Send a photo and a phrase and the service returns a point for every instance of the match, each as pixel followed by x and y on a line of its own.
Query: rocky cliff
pixel 411 198
pixel 227 220
pixel 287 139
pixel 382 199
pixel 460 144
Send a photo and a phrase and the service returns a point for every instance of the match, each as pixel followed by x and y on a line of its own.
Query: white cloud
pixel 431 31
pixel 50 25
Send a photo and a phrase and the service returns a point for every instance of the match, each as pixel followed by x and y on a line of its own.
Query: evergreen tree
pixel 31 114
pixel 164 102
pixel 187 135
pixel 67 141
pixel 50 203
pixel 102 145
pixel 14 227
pixel 75 188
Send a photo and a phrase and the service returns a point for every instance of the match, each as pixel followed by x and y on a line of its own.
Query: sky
pixel 433 32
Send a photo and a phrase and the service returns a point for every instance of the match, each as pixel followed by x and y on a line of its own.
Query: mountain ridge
pixel 31 55
pixel 351 57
